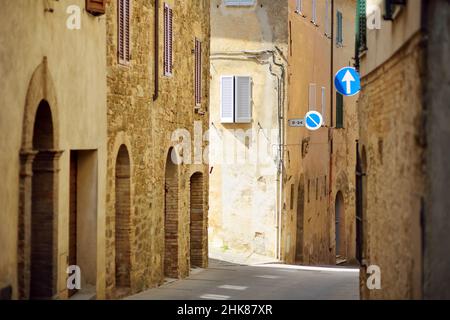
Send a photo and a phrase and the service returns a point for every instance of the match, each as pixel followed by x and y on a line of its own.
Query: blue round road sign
pixel 347 81
pixel 313 120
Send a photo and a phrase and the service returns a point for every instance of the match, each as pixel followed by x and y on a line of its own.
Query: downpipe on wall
pixel 258 56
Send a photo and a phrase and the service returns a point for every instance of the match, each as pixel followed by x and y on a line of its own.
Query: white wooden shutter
pixel 227 99
pixel 312 97
pixel 314 11
pixel 243 100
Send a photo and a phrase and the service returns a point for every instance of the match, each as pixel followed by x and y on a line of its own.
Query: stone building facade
pixel 156 223
pixel 318 224
pixel 53 159
pixel 402 111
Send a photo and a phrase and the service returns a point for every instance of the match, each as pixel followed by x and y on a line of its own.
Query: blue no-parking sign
pixel 347 81
pixel 313 120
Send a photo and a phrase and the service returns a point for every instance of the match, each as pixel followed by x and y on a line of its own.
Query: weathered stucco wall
pixel 145 127
pixel 75 66
pixel 243 183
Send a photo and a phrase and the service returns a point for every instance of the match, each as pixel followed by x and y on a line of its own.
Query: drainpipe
pixel 156 50
pixel 256 55
pixel 330 136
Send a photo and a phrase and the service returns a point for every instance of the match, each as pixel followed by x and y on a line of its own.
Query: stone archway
pixel 122 220
pixel 38 185
pixel 197 224
pixel 171 217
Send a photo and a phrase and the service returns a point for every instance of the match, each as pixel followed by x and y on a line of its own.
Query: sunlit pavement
pixel 269 281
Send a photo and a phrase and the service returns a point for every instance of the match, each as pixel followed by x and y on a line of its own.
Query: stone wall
pixel 391 136
pixel 145 127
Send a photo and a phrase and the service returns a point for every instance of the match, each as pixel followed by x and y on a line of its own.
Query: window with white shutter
pixel 299 7
pixel 227 99
pixel 236 99
pixel 123 41
pixel 239 2
pixel 243 103
pixel 198 72
pixel 327 18
pixel 312 97
pixel 314 12
pixel 168 40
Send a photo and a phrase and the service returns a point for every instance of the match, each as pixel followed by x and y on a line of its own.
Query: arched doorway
pixel 300 220
pixel 171 218
pixel 43 223
pixel 340 225
pixel 122 219
pixel 197 222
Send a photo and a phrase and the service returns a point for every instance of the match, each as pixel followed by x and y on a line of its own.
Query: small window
pixel 339 35
pixel 324 104
pixel 236 99
pixel 168 40
pixel 123 33
pixel 312 97
pixel 314 12
pixel 327 18
pixel 339 110
pixel 230 3
pixel 198 73
pixel 299 7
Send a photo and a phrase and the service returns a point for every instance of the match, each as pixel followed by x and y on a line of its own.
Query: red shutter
pixel 120 23
pixel 95 7
pixel 166 37
pixel 127 31
pixel 123 34
pixel 198 72
pixel 170 44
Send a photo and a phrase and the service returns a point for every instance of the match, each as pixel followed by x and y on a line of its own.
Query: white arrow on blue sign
pixel 347 81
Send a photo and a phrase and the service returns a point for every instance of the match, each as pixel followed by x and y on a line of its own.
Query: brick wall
pixel 123 219
pixel 198 222
pixel 391 119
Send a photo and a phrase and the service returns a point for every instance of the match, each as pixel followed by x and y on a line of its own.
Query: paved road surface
pixel 229 281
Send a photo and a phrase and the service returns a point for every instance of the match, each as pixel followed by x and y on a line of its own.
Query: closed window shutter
pixel 324 103
pixel 95 7
pixel 127 30
pixel 312 97
pixel 123 42
pixel 198 72
pixel 314 11
pixel 339 110
pixel 299 7
pixel 168 40
pixel 243 101
pixel 227 99
pixel 339 38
